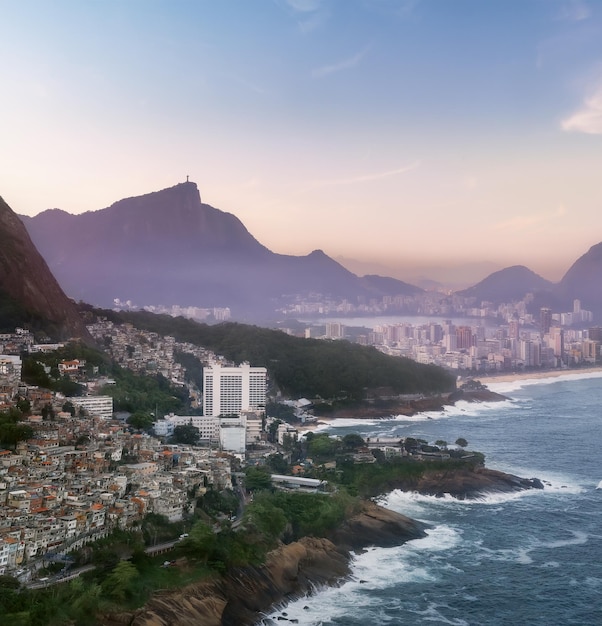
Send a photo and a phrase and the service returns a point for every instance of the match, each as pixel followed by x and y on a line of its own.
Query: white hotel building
pixel 228 391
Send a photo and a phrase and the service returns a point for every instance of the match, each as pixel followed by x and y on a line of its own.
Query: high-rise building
pixel 557 342
pixel 230 390
pixel 514 329
pixel 595 333
pixel 464 338
pixel 335 330
pixel 545 320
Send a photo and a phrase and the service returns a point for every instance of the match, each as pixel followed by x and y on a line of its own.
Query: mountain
pixel 29 293
pixel 507 285
pixel 583 280
pixel 382 284
pixel 167 247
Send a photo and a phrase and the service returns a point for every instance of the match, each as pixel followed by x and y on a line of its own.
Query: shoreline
pixel 503 377
pixel 486 379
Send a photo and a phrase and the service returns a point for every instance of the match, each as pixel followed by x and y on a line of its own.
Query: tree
pixel 11 434
pixel 410 444
pixel 273 430
pixel 48 412
pixel 24 405
pixel 441 443
pixel 267 518
pixel 118 583
pixel 277 463
pixel 352 441
pixel 323 447
pixel 199 542
pixel 460 441
pixel 68 407
pixel 141 421
pixel 187 434
pixel 257 478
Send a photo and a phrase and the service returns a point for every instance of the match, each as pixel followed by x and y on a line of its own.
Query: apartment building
pixel 231 390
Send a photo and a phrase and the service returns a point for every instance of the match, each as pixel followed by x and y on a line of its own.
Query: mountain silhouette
pixel 508 285
pixel 583 281
pixel 167 247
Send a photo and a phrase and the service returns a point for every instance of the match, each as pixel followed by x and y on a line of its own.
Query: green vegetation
pixel 299 514
pixel 131 392
pixel 125 576
pixel 186 434
pixel 34 372
pixel 301 367
pixel 134 393
pixel 141 420
pixel 14 315
pixel 12 430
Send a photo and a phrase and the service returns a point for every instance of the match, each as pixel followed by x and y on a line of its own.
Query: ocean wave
pixel 400 501
pixel 374 569
pixel 534 549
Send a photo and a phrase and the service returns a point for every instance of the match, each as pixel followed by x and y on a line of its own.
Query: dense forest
pixel 300 367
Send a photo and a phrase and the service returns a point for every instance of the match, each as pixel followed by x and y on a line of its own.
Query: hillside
pixel 582 281
pixel 30 296
pixel 301 367
pixel 507 285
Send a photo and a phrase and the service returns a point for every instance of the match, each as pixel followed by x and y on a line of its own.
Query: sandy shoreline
pixel 537 375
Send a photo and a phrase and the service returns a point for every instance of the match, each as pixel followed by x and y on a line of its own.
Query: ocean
pixel 518 559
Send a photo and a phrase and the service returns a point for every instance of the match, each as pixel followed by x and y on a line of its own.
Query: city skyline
pixel 402 135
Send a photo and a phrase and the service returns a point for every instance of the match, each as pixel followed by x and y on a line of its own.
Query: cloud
pixel 304 6
pixel 574 11
pixel 588 119
pixel 346 64
pixel 366 178
pixel 527 222
pixel 309 14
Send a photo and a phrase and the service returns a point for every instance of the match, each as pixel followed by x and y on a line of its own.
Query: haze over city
pixel 401 137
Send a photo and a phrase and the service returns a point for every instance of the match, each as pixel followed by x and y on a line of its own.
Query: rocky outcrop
pixel 290 571
pixel 374 525
pixel 412 407
pixel 469 483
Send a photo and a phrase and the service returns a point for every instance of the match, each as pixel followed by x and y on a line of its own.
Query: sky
pixel 415 138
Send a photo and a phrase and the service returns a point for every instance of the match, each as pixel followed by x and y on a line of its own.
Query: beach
pixel 511 377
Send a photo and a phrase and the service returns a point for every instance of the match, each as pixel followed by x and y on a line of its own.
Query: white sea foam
pixel 374 569
pixel 433 614
pixel 413 504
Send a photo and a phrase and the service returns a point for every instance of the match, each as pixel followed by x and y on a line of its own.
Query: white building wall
pixel 230 390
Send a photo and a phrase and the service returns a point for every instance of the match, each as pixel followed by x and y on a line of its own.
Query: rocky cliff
pixel 27 287
pixel 240 597
pixel 465 483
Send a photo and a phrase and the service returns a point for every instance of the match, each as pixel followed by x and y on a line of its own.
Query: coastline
pixel 486 379
pixel 491 381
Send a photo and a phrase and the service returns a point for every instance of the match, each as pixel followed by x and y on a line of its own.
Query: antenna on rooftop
pixel 186 178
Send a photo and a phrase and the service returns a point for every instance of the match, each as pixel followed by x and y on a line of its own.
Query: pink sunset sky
pixel 415 138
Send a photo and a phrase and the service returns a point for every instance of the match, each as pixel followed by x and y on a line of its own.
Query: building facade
pixel 231 390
